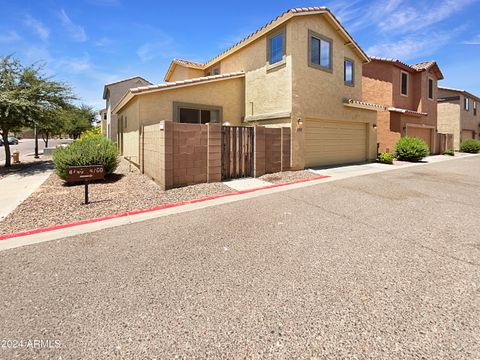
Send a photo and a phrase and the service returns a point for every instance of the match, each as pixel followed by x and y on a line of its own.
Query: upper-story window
pixel 276 47
pixel 466 103
pixel 216 71
pixel 320 51
pixel 404 83
pixel 430 89
pixel 475 108
pixel 104 116
pixel 348 70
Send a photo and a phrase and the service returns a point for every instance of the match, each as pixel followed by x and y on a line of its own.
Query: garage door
pixel 334 142
pixel 467 135
pixel 422 133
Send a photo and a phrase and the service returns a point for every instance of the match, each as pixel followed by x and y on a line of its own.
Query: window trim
pixel 428 88
pixel 282 32
pixel 125 123
pixel 345 73
pixel 408 80
pixel 181 105
pixel 466 103
pixel 313 34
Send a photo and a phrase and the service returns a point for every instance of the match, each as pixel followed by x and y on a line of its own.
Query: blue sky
pixel 88 43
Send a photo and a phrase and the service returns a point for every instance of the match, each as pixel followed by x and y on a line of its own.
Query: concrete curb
pixel 9 241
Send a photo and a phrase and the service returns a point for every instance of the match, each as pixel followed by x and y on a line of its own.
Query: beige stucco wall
pixel 319 94
pixel 182 73
pixel 452 115
pixel 154 107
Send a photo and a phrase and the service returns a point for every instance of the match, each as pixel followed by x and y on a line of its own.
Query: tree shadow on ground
pixel 27 169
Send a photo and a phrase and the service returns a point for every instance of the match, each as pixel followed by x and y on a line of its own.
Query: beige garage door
pixel 467 135
pixel 334 142
pixel 422 133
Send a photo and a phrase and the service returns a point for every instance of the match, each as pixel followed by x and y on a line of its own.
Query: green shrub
pixel 386 158
pixel 411 149
pixel 449 152
pixel 470 146
pixel 89 150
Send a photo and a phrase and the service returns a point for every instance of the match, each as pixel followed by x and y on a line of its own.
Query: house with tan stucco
pixel 301 71
pixel 458 114
pixel 112 93
pixel 409 94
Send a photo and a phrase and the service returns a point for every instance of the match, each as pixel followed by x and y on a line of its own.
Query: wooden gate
pixel 237 152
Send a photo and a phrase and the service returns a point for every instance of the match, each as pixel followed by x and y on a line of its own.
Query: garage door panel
pixel 334 142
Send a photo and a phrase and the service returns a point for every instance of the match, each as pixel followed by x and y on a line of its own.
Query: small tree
pixel 26 97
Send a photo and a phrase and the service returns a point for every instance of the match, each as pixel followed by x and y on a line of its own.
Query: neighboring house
pixel 112 93
pixel 103 121
pixel 409 92
pixel 458 114
pixel 302 70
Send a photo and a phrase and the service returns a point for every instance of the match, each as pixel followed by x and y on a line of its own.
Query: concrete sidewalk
pixel 15 188
pixel 349 171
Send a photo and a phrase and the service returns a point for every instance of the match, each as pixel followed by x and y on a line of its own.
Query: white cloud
pixel 474 41
pixel 163 47
pixel 413 18
pixel 10 36
pixel 76 31
pixel 414 46
pixel 40 29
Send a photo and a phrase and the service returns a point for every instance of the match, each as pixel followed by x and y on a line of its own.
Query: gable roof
pixel 419 67
pixel 184 63
pixel 176 84
pixel 460 91
pixel 121 81
pixel 278 21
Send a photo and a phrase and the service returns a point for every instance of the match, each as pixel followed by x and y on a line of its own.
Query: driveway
pixel 377 266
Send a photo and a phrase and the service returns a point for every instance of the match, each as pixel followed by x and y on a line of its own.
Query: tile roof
pixel 188 63
pixel 419 67
pixel 293 11
pixel 464 92
pixel 168 85
pixel 363 104
pixel 425 65
pixel 267 27
pixel 187 82
pixel 406 111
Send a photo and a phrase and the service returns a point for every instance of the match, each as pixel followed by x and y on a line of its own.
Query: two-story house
pixel 302 70
pixel 112 93
pixel 409 92
pixel 458 114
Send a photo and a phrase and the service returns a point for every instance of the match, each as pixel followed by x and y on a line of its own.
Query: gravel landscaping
pixel 288 176
pixel 55 203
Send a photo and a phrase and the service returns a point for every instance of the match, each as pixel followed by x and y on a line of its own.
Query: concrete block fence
pixel 176 155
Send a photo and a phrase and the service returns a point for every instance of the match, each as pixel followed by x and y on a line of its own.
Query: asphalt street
pixel 27 146
pixel 378 266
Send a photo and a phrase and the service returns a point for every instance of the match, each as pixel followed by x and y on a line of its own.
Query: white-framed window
pixel 466 103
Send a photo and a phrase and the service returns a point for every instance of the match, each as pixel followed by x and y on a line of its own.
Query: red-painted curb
pixel 154 208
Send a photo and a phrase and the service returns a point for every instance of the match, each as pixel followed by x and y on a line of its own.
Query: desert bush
pixel 470 146
pixel 386 158
pixel 411 149
pixel 449 152
pixel 89 150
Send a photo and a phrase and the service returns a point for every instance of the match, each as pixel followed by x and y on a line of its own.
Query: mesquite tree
pixel 26 98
